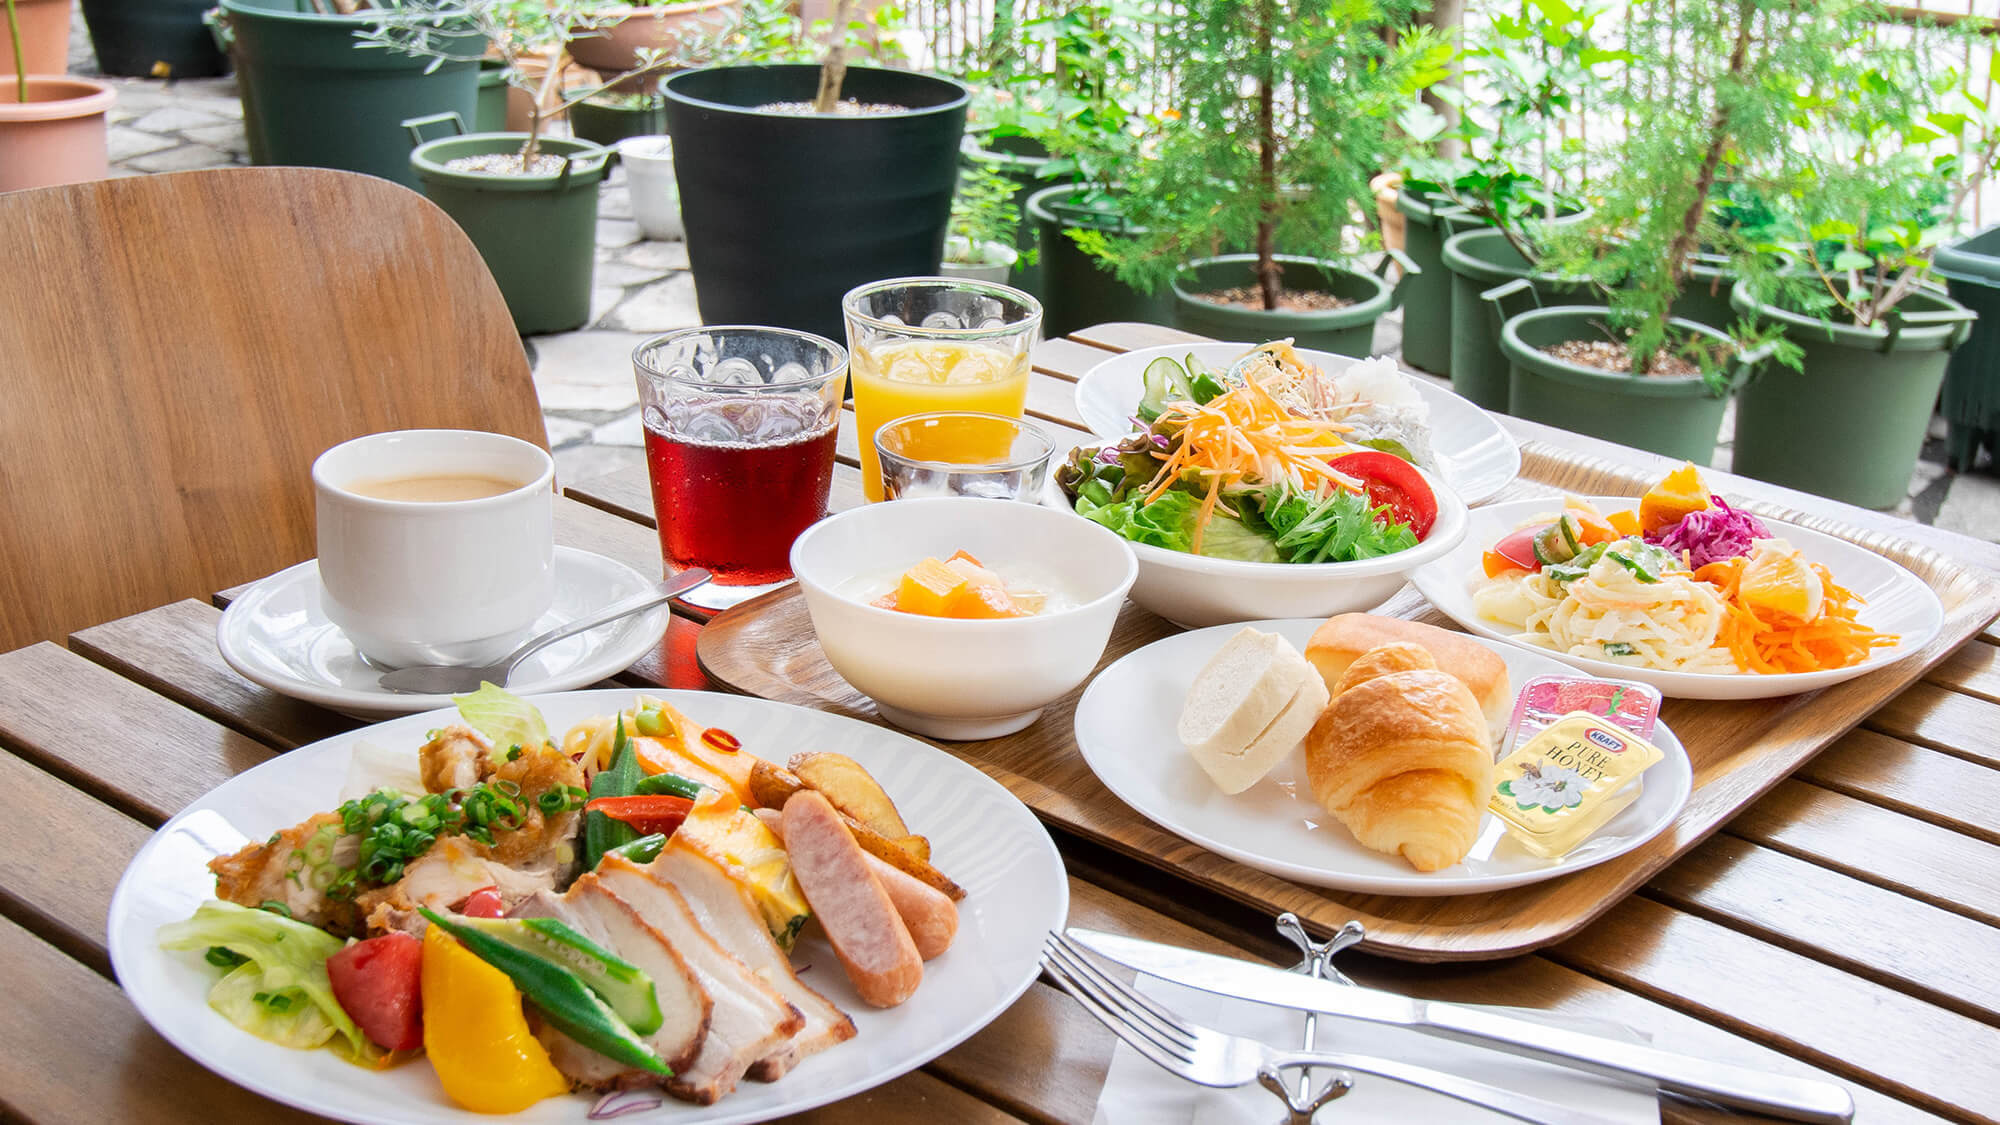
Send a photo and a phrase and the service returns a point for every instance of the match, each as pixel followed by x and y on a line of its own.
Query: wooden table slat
pixel 1945 720
pixel 1917 781
pixel 59 866
pixel 1974 670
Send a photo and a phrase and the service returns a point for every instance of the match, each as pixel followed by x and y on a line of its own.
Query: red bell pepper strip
pixel 647 815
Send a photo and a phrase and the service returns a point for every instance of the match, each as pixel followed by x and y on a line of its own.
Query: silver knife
pixel 1796 1099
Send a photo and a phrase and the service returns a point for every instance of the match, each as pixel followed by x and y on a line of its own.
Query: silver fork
pixel 1208 1057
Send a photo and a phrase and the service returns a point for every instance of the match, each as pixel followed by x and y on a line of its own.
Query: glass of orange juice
pixel 919 345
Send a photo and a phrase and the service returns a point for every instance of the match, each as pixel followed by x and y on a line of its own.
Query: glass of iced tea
pixel 740 424
pixel 925 344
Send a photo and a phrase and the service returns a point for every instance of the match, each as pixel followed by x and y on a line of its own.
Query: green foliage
pixel 1079 108
pixel 770 32
pixel 1287 108
pixel 983 209
pixel 1520 149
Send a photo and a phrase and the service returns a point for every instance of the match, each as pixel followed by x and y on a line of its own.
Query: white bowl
pixel 1196 591
pixel 954 679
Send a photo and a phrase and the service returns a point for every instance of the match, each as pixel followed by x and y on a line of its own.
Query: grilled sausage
pixel 860 919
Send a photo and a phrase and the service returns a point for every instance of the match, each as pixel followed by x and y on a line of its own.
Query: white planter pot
pixel 996 261
pixel 656 199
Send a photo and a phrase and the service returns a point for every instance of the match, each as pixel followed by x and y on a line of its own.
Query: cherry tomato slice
pixel 1390 480
pixel 484 903
pixel 1519 547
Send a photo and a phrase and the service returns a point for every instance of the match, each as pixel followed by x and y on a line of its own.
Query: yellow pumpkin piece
pixel 1678 493
pixel 926 587
pixel 1624 523
pixel 979 600
pixel 1778 580
pixel 475 1034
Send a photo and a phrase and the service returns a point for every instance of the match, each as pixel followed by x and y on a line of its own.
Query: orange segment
pixel 982 601
pixel 1498 564
pixel 926 588
pixel 1778 580
pixel 1594 527
pixel 1624 523
pixel 1678 493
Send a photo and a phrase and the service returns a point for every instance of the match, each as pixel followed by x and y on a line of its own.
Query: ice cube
pixel 793 372
pixel 943 319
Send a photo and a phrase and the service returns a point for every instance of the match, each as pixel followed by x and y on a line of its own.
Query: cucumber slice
pixel 1573 538
pixel 1553 545
pixel 623 985
pixel 1164 380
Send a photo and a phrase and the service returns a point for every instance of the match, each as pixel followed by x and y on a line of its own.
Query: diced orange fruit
pixel 1498 564
pixel 927 587
pixel 962 555
pixel 886 601
pixel 974 573
pixel 1778 579
pixel 1678 493
pixel 1593 527
pixel 1624 523
pixel 975 600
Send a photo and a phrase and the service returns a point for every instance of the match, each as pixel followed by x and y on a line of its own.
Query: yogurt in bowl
pixel 953 678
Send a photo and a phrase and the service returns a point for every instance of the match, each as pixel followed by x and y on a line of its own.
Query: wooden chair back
pixel 175 351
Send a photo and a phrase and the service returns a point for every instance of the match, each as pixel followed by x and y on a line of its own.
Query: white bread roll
pixel 1250 705
pixel 1337 643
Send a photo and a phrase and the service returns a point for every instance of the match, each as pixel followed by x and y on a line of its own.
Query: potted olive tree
pixel 800 181
pixel 1288 109
pixel 1507 162
pixel 1873 331
pixel 980 241
pixel 52 126
pixel 527 200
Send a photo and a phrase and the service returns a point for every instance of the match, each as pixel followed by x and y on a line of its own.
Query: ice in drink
pixel 907 377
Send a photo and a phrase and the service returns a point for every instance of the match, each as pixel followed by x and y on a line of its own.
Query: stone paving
pixel 643 287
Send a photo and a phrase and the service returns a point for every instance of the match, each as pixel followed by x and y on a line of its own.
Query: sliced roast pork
pixel 726 911
pixel 685 1006
pixel 750 1020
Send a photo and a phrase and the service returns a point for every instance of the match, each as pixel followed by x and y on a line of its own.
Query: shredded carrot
pixel 1247 435
pixel 1764 642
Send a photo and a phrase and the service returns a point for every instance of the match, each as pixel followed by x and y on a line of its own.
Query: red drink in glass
pixel 734 507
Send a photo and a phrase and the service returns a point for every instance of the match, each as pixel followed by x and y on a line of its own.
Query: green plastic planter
pixel 608 124
pixel 1347 331
pixel 492 116
pixel 1020 160
pixel 1851 422
pixel 1479 260
pixel 1078 290
pixel 313 95
pixel 1971 269
pixel 1427 296
pixel 538 234
pixel 1677 417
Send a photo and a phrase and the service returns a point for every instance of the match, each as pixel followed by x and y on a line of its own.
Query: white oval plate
pixel 1125 727
pixel 981 836
pixel 1479 457
pixel 1898 602
pixel 276 636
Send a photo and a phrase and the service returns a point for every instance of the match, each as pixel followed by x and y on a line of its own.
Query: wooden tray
pixel 765 647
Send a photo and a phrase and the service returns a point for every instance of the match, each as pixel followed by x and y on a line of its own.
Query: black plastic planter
pixel 153 38
pixel 787 212
pixel 1078 290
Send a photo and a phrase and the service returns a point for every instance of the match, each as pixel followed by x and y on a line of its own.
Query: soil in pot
pixel 847 108
pixel 1609 355
pixel 786 213
pixel 1330 308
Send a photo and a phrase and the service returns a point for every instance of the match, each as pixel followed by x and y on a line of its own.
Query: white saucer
pixel 276 636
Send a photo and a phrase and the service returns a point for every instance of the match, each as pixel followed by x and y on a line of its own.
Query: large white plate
pixel 1478 457
pixel 1125 728
pixel 981 835
pixel 277 636
pixel 1898 602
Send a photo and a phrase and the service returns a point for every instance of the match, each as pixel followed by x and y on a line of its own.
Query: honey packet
pixel 1555 789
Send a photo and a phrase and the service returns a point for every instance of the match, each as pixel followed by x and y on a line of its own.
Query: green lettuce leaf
pixel 1340 527
pixel 1227 538
pixel 1167 522
pixel 503 717
pixel 281 991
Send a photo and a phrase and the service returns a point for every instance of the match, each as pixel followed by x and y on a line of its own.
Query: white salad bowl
pixel 1196 591
pixel 956 679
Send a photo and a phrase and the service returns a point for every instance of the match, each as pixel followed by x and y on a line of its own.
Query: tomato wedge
pixel 1518 547
pixel 484 903
pixel 1390 480
pixel 377 984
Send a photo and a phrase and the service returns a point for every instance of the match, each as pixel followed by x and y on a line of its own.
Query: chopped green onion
pixel 223 958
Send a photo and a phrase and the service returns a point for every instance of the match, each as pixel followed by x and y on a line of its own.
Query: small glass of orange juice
pixel 920 345
pixel 963 453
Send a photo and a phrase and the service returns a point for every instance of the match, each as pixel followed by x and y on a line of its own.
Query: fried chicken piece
pixel 443 877
pixel 265 872
pixel 458 758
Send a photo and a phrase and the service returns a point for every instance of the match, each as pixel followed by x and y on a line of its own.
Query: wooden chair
pixel 174 352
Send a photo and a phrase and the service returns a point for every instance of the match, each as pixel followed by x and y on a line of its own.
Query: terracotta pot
pixel 518 99
pixel 613 48
pixel 44 37
pixel 57 136
pixel 1386 187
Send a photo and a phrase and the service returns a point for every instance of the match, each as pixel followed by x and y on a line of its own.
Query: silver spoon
pixel 451 679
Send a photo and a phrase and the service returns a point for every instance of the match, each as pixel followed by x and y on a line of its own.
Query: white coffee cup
pixel 435 581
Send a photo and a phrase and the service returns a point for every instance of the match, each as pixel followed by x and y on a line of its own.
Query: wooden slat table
pixel 1847 925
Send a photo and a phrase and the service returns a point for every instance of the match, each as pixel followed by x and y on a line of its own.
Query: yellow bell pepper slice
pixel 475 1033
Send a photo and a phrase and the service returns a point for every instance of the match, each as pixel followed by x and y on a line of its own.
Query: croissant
pixel 1403 757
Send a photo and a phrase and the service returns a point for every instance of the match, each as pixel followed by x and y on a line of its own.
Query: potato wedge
pixel 916 845
pixel 851 789
pixel 893 853
pixel 771 785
